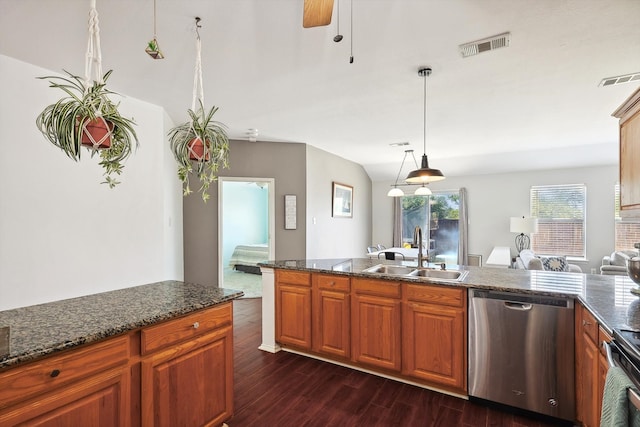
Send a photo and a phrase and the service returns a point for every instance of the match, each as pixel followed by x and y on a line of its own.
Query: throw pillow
pixel 554 263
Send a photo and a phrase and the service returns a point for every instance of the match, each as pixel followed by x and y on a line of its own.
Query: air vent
pixel 485 45
pixel 398 144
pixel 610 81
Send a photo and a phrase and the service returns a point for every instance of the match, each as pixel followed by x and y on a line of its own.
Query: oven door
pixel 616 357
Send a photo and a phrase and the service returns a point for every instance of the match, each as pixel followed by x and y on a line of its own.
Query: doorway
pixel 246 210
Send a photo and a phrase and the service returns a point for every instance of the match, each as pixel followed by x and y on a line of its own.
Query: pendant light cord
pixel 424 132
pixel 351 41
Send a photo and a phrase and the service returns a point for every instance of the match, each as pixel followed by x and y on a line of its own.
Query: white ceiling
pixel 535 104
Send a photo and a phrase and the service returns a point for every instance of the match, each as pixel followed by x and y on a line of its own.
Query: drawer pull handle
pixel 196 325
pixel 585 323
pixel 54 373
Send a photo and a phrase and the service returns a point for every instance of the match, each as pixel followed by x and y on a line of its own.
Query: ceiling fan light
pixel 395 192
pixel 422 191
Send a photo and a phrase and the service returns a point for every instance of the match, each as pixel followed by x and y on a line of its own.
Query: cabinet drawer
pixel 45 375
pixel 334 283
pixel 589 325
pixel 381 288
pixel 439 295
pixel 293 277
pixel 183 328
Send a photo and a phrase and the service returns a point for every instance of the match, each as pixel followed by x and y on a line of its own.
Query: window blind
pixel 627 230
pixel 561 212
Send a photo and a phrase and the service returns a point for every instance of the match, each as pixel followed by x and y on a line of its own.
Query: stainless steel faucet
pixel 418 233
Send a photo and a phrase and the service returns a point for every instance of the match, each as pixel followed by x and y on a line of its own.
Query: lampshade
pixel 523 225
pixel 422 191
pixel 425 174
pixel 395 192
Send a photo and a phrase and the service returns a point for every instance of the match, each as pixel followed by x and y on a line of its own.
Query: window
pixel 627 230
pixel 560 210
pixel 437 215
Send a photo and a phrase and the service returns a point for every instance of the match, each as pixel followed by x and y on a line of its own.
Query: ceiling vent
pixel 485 45
pixel 610 81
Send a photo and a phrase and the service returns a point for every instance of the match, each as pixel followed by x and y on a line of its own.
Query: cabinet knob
pixel 196 325
pixel 332 284
pixel 54 373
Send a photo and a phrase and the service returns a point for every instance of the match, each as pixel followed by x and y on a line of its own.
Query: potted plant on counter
pixel 87 117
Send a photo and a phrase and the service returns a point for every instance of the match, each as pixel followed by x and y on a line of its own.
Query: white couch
pixel 528 260
pixel 616 263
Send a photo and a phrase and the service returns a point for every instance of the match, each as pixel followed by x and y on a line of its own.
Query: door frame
pixel 271 219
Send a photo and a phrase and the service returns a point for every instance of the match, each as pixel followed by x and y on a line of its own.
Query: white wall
pixel 493 199
pixel 329 237
pixel 63 234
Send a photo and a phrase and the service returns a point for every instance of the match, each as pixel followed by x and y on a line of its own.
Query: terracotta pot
pixel 196 150
pixel 98 131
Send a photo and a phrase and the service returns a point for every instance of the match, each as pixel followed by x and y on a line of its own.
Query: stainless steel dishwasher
pixel 521 351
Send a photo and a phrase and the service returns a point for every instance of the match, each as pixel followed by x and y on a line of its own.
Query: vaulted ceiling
pixel 535 104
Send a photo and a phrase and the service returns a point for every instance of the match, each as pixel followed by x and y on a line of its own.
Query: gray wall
pixel 493 199
pixel 286 164
pixel 329 237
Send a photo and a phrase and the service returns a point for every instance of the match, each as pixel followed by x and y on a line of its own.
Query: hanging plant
pixel 200 145
pixel 86 116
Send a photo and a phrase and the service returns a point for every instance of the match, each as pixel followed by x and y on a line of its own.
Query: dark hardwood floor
pixel 286 389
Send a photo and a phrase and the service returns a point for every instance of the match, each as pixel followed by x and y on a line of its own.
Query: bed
pixel 246 257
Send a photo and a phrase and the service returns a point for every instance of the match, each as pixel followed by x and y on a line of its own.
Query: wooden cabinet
pixel 434 335
pixel 86 386
pixel 331 307
pixel 414 332
pixel 178 372
pixel 293 308
pixel 591 367
pixel 629 115
pixel 376 323
pixel 187 369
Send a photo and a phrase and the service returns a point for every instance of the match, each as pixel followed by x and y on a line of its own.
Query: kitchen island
pixel 318 308
pixel 132 356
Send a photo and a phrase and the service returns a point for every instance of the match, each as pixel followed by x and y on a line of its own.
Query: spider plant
pixel 200 146
pixel 67 124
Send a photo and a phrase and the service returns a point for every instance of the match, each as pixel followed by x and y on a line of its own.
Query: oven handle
pixel 632 395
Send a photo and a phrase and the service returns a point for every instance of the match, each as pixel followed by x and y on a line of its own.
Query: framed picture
pixel 342 200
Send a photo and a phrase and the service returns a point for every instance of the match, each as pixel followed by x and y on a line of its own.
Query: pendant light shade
pixel 422 191
pixel 395 192
pixel 425 174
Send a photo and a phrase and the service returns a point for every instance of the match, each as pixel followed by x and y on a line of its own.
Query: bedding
pixel 246 257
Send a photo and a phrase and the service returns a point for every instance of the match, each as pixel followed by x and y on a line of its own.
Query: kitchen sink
pixel 417 272
pixel 456 275
pixel 394 270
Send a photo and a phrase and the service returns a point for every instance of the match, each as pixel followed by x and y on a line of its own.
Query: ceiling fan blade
pixel 317 13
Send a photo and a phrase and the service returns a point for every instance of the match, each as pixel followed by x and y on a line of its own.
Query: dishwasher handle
pixel 517 306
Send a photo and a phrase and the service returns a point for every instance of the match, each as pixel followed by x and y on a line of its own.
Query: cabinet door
pixel 376 336
pixel 102 400
pixel 293 315
pixel 332 323
pixel 433 344
pixel 190 384
pixel 587 368
pixel 629 159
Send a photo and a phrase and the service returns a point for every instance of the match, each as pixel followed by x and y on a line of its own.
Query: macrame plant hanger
pixel 198 149
pixel 153 48
pixel 93 73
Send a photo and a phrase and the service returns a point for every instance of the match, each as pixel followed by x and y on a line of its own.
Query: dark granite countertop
pixel 607 297
pixel 42 329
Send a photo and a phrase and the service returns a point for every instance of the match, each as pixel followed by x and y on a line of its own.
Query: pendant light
pixel 425 174
pixel 397 192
